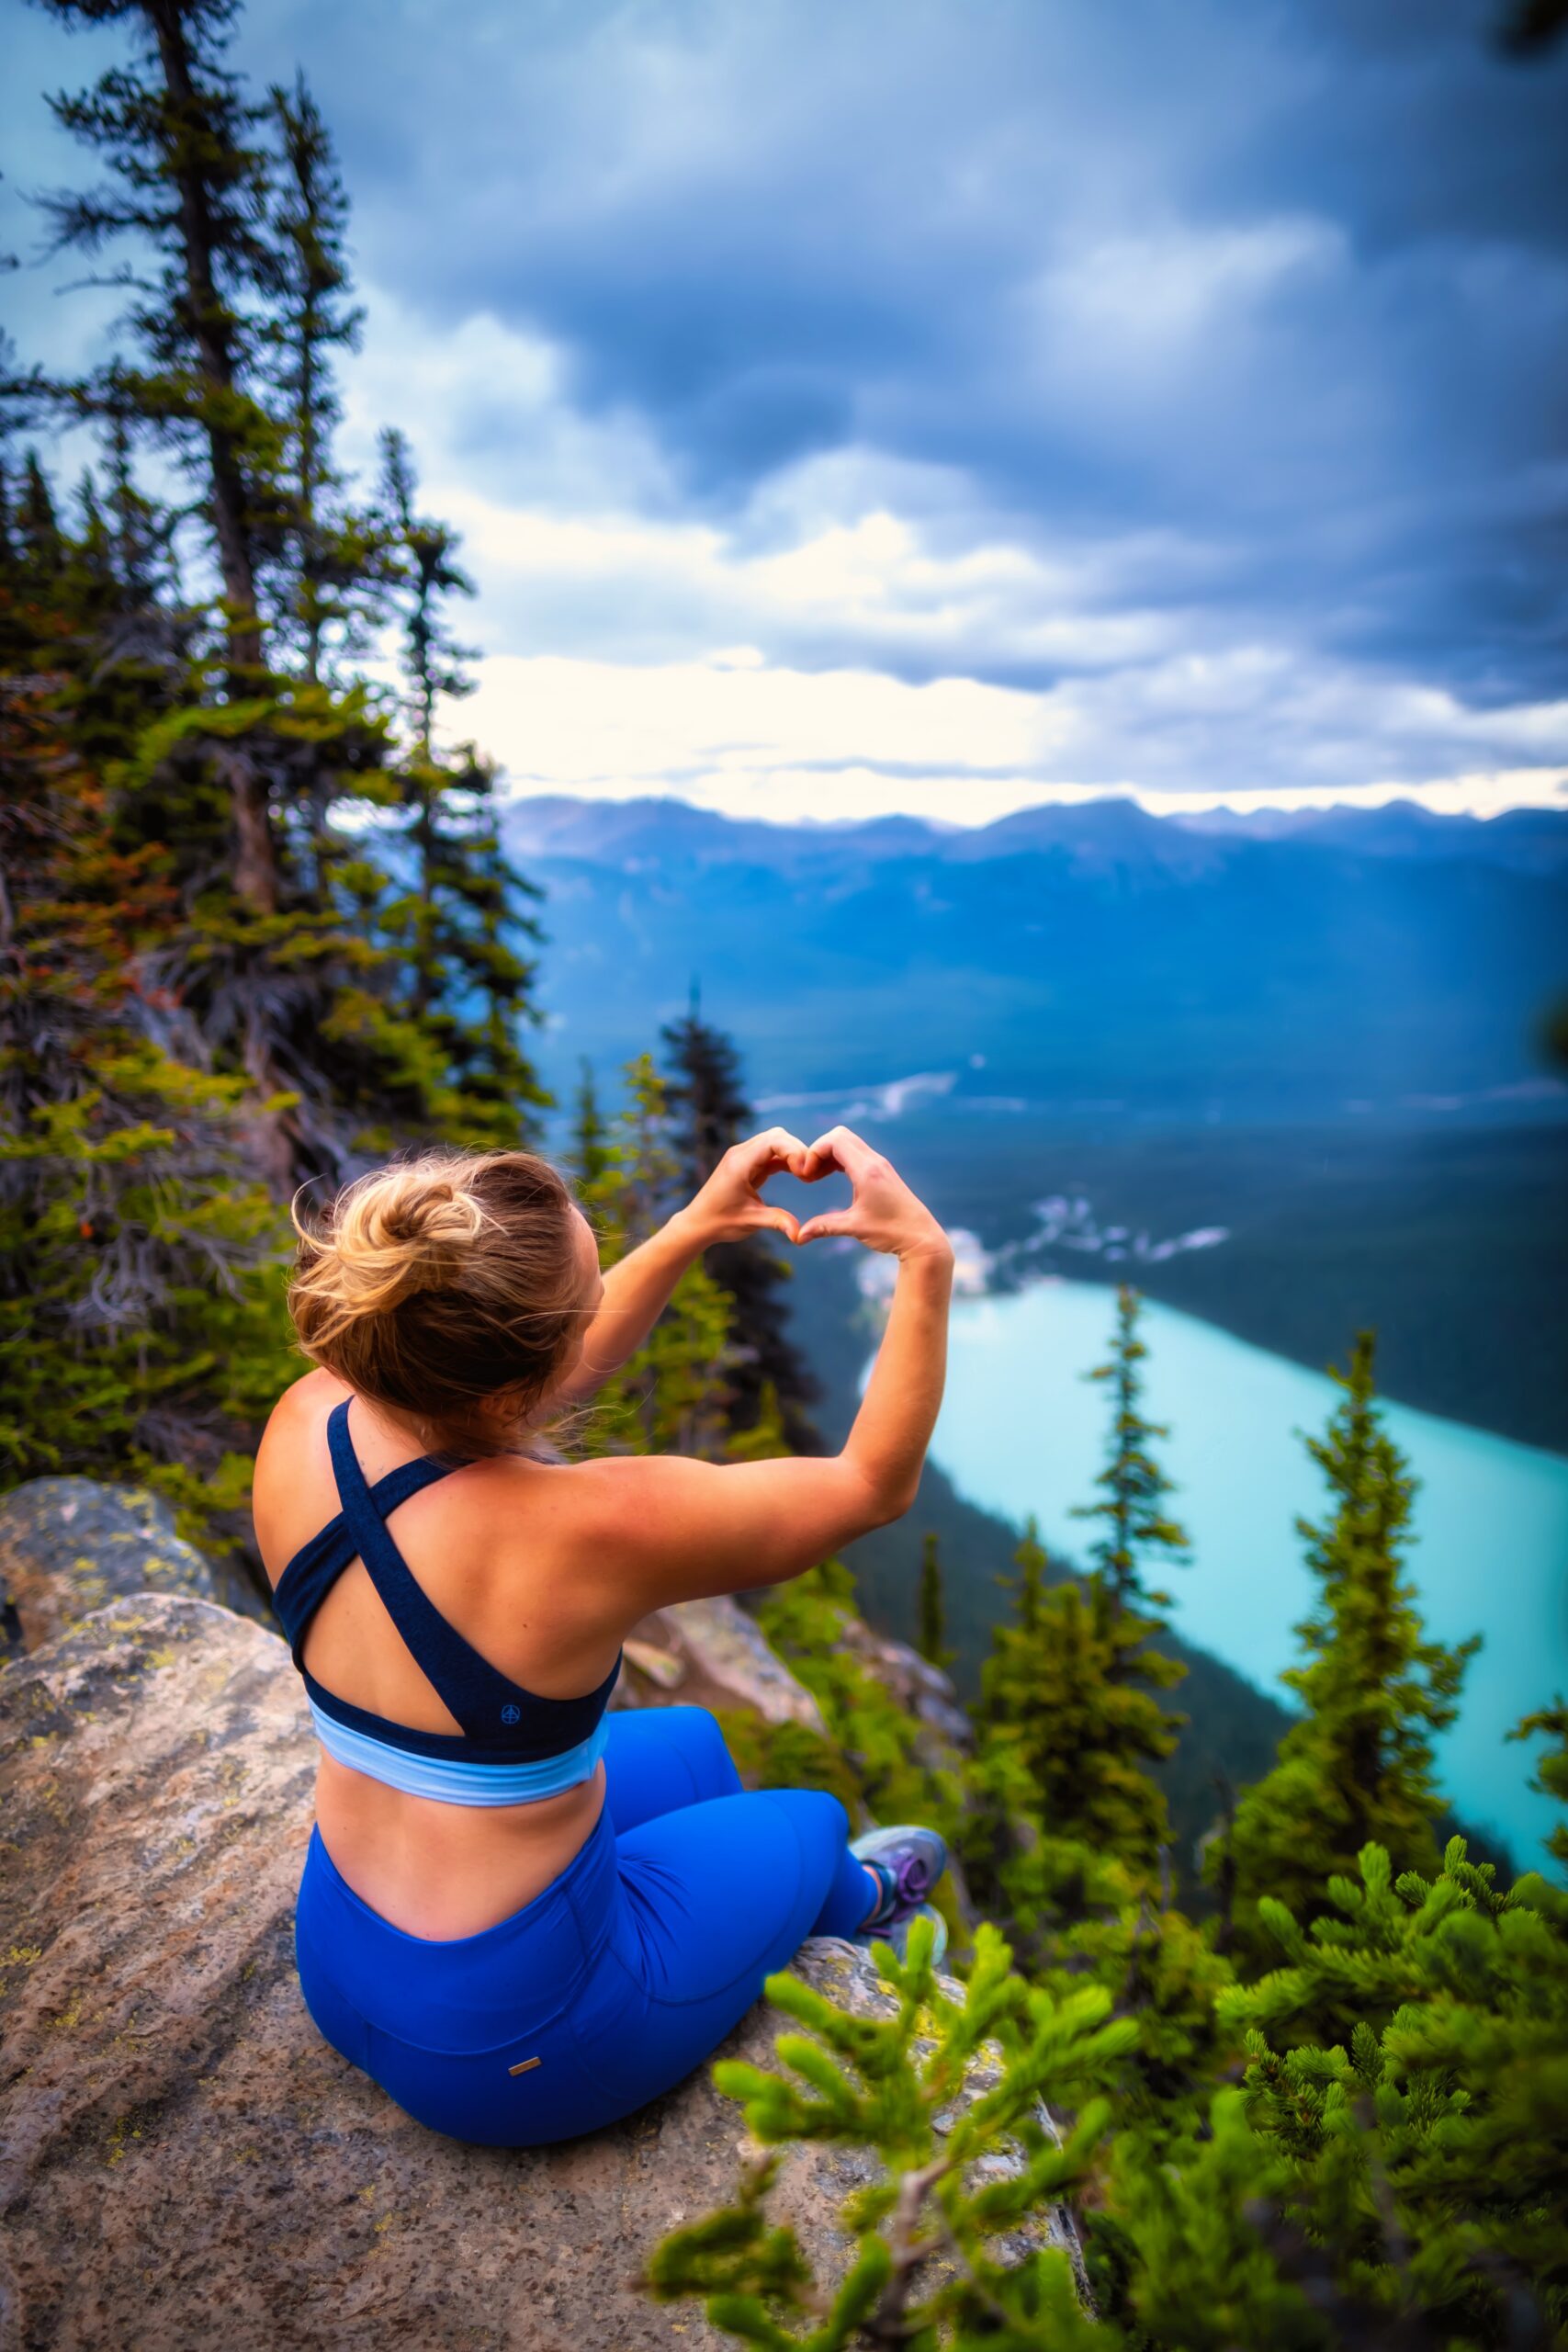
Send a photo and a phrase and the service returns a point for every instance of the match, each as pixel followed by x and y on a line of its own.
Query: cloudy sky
pixel 949 404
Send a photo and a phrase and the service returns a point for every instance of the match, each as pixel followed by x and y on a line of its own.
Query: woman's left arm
pixel 637 1287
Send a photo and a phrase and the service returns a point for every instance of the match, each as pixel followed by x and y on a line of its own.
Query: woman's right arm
pixel 675 1528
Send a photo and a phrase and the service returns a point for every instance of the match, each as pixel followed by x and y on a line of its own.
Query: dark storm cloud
pixel 1291 282
pixel 1255 319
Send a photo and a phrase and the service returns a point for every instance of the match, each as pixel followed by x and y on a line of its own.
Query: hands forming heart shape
pixel 883 1212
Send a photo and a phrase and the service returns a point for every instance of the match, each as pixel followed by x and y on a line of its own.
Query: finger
pixel 841 1147
pixel 781 1221
pixel 821 1156
pixel 775 1148
pixel 818 1228
pixel 790 1150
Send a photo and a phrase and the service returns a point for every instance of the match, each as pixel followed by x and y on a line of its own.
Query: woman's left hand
pixel 729 1204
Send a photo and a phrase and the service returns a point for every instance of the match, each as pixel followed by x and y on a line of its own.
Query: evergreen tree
pixel 1029 1584
pixel 1550 1777
pixel 672 1396
pixel 462 917
pixel 946 2177
pixel 931 1640
pixel 334 564
pixel 1136 1487
pixel 203 983
pixel 1070 1690
pixel 188 185
pixel 1391 2171
pixel 189 179
pixel 1396 2183
pixel 590 1144
pixel 1407 2105
pixel 708 1100
pixel 1073 1704
pixel 280 959
pixel 141 1327
pixel 1374 1689
pixel 1065 1836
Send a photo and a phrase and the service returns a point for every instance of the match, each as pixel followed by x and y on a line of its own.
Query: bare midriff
pixel 444 1870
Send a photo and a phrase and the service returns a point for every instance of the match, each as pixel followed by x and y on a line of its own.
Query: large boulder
pixel 183 2161
pixel 711 1654
pixel 67 1545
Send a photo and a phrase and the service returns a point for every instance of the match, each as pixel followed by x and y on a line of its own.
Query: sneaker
pixel 898 1935
pixel 913 1858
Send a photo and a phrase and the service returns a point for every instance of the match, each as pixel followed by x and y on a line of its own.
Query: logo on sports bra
pixel 511 1714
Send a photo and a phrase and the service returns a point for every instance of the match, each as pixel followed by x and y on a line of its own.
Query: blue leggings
pixel 612 1985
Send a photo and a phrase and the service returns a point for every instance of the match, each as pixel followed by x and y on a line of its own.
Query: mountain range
pixel 1070 958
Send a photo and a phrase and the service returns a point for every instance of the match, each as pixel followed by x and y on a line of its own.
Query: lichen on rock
pixel 68 1545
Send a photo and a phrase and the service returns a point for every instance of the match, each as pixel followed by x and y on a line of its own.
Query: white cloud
pixel 1139 307
pixel 760 740
pixel 490 409
pixel 864 634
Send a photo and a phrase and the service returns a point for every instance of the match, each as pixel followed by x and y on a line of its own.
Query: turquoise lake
pixel 1021 1431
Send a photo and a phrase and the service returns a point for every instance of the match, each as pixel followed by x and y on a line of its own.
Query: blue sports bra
pixel 513 1745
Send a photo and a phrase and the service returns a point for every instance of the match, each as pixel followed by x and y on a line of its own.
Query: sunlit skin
pixel 545 1567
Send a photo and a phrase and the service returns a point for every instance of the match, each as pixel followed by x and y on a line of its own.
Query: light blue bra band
pixel 451 1782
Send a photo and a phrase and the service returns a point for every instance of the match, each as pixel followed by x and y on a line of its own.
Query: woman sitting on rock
pixel 524 1916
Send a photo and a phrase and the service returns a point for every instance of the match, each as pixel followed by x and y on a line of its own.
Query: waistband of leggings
pixel 465 1991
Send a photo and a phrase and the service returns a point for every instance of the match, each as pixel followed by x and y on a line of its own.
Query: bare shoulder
pixel 662 1527
pixel 591 1517
pixel 283 1494
pixel 594 1499
pixel 301 1405
pixel 307 1396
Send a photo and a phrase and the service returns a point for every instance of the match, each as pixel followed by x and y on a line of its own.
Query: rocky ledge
pixel 67 1545
pixel 183 2161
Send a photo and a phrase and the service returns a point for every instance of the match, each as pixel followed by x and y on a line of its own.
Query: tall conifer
pixel 1135 1486
pixel 931 1640
pixel 349 1035
pixel 334 583
pixel 1073 1697
pixel 1070 1694
pixel 1374 1688
pixel 142 1327
pixel 711 1110
pixel 190 178
pixel 463 913
pixel 591 1153
pixel 203 981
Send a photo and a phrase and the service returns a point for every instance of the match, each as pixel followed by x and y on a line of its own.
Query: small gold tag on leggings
pixel 522 2067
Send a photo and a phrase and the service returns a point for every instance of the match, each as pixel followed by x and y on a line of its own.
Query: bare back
pixel 493 1547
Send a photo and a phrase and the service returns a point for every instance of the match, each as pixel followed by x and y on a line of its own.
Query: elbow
pixel 881 1498
pixel 900 1501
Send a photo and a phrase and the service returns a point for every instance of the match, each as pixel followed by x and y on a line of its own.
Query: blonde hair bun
pixel 440 1282
pixel 400 1231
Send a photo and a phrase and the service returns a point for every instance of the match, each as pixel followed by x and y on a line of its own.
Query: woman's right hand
pixel 885 1213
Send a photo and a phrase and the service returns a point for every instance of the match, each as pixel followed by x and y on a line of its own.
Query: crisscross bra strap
pixel 501 1723
pixel 317 1565
pixel 476 1693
